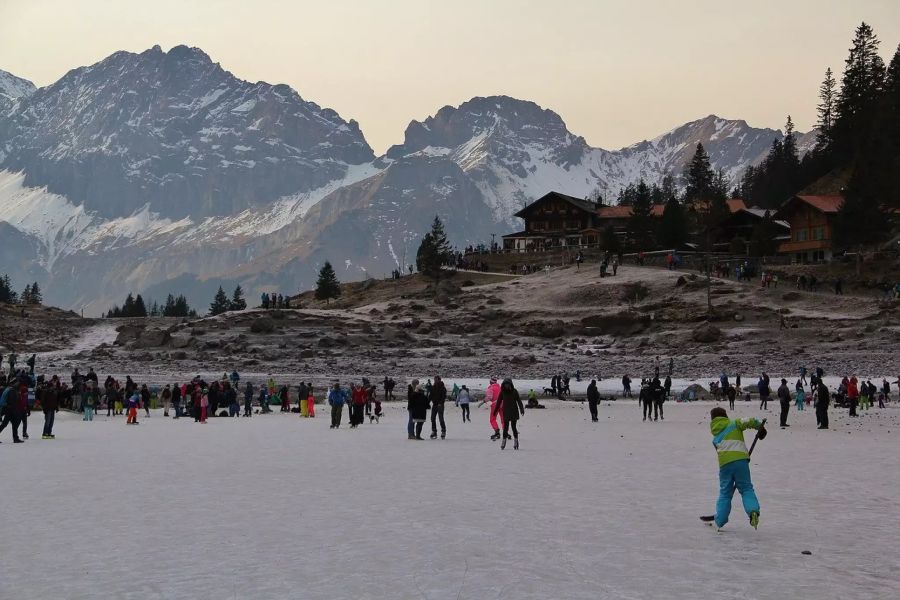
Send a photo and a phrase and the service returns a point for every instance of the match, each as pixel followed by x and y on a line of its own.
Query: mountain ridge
pixel 92 172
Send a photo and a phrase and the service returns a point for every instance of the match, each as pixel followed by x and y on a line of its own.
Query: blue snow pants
pixel 735 475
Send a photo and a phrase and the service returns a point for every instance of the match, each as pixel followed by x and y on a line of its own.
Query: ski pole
pixel 756 437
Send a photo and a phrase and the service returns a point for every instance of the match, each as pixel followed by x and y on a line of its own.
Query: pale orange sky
pixel 616 71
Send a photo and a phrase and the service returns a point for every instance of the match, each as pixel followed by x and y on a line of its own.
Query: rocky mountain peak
pixel 12 87
pixel 175 132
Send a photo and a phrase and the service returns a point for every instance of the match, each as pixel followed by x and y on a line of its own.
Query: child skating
pixel 734 464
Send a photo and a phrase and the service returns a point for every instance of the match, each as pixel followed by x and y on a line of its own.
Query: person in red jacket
pixel 853 394
pixel 359 397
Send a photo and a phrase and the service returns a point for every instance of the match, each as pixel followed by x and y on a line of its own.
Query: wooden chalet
pixel 811 220
pixel 553 221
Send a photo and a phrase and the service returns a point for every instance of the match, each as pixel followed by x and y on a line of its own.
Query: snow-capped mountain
pixel 160 169
pixel 515 151
pixel 12 87
pixel 176 133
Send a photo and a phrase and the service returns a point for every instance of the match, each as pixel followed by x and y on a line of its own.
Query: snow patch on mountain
pixel 64 228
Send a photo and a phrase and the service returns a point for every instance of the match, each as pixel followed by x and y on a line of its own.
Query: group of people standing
pixel 505 403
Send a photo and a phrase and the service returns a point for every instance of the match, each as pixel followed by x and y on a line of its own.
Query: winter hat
pixel 493 380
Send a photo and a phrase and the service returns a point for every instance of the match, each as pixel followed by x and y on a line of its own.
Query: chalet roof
pixel 585 205
pixel 825 204
pixel 624 212
pixel 735 204
pixel 760 213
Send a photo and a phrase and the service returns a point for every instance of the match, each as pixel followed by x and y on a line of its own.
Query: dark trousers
pixel 419 426
pixel 177 407
pixel 763 402
pixel 15 419
pixel 506 426
pixel 853 404
pixel 592 405
pixel 410 427
pixel 24 418
pixel 49 418
pixel 438 413
pixel 336 410
pixel 785 407
pixel 658 410
pixel 465 412
pixel 357 417
pixel 248 408
pixel 730 403
pixel 822 417
pixel 648 409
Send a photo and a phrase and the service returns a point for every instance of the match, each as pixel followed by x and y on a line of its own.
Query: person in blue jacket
pixel 336 399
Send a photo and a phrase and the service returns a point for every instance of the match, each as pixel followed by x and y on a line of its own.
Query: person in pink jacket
pixel 204 406
pixel 491 395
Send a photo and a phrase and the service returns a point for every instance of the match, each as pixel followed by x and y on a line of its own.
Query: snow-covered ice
pixel 281 507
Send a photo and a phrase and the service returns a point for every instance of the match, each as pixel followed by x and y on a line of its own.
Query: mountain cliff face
pixel 174 132
pixel 161 171
pixel 12 87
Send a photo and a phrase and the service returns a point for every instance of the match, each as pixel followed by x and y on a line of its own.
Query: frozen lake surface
pixel 280 507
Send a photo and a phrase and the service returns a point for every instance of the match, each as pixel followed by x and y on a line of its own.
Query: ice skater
pixel 510 405
pixel 799 395
pixel 593 398
pixel 438 400
pixel 823 398
pixel 734 464
pixel 784 398
pixel 491 394
pixel 463 398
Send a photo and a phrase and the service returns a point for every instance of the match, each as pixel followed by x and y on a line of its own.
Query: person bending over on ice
pixel 509 404
pixel 734 464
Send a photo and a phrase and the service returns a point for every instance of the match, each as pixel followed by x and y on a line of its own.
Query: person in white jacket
pixel 463 398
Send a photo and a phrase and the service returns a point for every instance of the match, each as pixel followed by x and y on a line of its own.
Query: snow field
pixel 282 507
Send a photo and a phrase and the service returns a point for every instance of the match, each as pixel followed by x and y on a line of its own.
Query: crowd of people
pixel 21 392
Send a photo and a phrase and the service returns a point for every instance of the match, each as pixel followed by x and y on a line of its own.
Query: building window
pixel 800 235
pixel 818 233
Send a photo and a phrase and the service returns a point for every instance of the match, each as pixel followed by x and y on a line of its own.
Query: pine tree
pixel 327 286
pixel 762 242
pixel 860 87
pixel 36 296
pixel 237 299
pixel 699 177
pixel 140 309
pixel 155 311
pixel 128 307
pixel 640 224
pixel 25 298
pixel 826 111
pixel 610 241
pixel 219 304
pixel 182 309
pixel 434 251
pixel 673 226
pixel 7 294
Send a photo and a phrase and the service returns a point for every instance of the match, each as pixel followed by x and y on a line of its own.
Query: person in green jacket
pixel 734 464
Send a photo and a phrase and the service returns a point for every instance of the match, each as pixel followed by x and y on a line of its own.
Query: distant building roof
pixel 735 204
pixel 585 205
pixel 826 204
